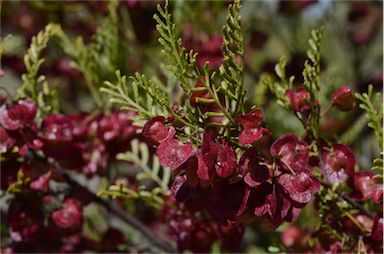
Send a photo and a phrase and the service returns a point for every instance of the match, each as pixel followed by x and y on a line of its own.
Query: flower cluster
pixel 203 171
pixel 196 233
pixel 278 185
pixel 85 143
pixel 232 179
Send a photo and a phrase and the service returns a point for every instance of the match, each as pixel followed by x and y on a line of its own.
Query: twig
pixel 156 240
pixel 349 200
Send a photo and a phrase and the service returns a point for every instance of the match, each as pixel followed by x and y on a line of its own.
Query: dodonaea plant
pixel 202 167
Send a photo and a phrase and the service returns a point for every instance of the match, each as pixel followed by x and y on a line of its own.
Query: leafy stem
pixel 181 62
pixel 369 103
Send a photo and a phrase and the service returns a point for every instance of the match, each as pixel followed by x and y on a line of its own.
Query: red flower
pixel 155 131
pixel 338 163
pixel 20 129
pixel 60 142
pixel 249 166
pixel 255 199
pixel 207 156
pixel 300 188
pixel 70 215
pixel 191 172
pixel 224 200
pixel 215 156
pixel 19 114
pixel 226 159
pixel 25 218
pixel 377 229
pixel 6 141
pixel 248 160
pixel 300 100
pixel 291 153
pixel 343 99
pixel 180 188
pixel 116 126
pixel 251 124
pixel 173 154
pixel 281 207
pixel 3 95
pixel 365 187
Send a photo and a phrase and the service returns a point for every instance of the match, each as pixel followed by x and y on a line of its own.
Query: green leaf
pixel 371 104
pixel 35 85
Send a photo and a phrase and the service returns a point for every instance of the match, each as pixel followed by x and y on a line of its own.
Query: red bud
pixel 343 99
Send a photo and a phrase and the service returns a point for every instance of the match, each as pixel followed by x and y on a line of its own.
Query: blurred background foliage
pixel 351 51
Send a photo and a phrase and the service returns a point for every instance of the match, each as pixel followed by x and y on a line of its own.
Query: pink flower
pixel 70 215
pixel 338 163
pixel 292 235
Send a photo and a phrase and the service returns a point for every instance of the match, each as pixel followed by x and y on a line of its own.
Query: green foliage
pixel 311 71
pixel 151 170
pixel 276 88
pixel 331 204
pixel 181 63
pixel 216 247
pixel 35 85
pixel 280 72
pixel 97 60
pixel 132 98
pixel 378 165
pixel 233 48
pixel 18 185
pixel 371 104
pixel 183 66
pixel 311 74
pixel 2 42
pixel 139 155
